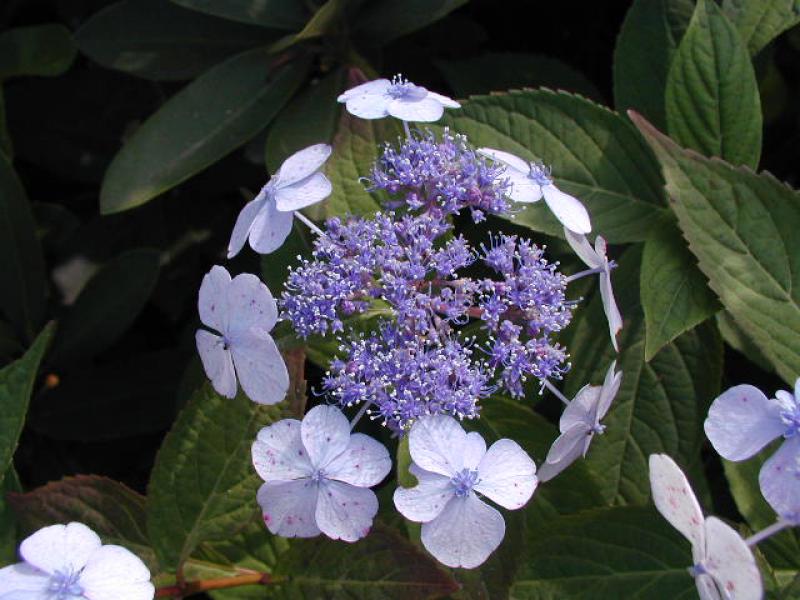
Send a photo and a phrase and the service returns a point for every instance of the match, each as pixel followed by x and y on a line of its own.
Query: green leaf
pixel 629 553
pixel 22 270
pixel 382 566
pixel 206 120
pixel 675 294
pixel 386 20
pixel 203 485
pixel 782 550
pixel 8 521
pixel 737 339
pixel 16 386
pixel 495 71
pixel 310 118
pixel 595 154
pixel 107 305
pixel 712 99
pixel 45 50
pixel 645 47
pixel 661 404
pixel 113 510
pixel 355 148
pixel 159 40
pixel 327 19
pixel 761 21
pixel 742 227
pixel 280 14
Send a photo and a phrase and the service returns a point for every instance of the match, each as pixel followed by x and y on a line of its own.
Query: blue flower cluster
pixel 422 360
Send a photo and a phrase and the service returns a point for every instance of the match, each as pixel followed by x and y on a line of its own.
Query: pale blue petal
pixel 345 512
pixel 326 434
pixel 364 463
pixel 581 409
pixel 436 444
pixel 303 193
pixel 288 507
pixel 250 305
pixel 20 579
pixel 609 391
pixel 465 533
pixel 217 363
pixel 260 367
pixel 731 563
pixel 507 475
pixel 427 499
pixel 212 300
pixel 300 165
pixel 426 110
pixel 567 209
pixel 510 160
pixel 115 573
pixel 368 106
pixel 780 480
pixel 742 421
pixel 444 100
pixel 270 229
pixel 378 86
pixel 613 315
pixel 583 249
pixel 244 223
pixel 568 446
pixel 60 547
pixel 474 451
pixel 278 452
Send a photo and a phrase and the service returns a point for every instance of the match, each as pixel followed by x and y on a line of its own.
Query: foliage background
pixel 133 131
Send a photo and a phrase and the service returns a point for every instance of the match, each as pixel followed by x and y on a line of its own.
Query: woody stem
pixel 203 585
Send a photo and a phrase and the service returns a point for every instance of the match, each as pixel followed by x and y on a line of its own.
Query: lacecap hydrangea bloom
pixel 742 420
pixel 69 562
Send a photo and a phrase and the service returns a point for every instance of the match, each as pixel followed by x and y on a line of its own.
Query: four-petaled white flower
pixel 267 219
pixel 742 420
pixel 596 259
pixel 318 476
pixel 398 98
pixel 724 567
pixel 452 467
pixel 243 311
pixel 532 181
pixel 579 422
pixel 69 562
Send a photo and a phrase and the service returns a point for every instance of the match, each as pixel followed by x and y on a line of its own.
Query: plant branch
pixel 203 585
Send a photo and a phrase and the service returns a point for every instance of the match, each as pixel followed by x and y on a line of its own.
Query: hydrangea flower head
pixel 69 562
pixel 317 476
pixel 724 566
pixel 266 221
pixel 596 258
pixel 452 468
pixel 243 311
pixel 579 423
pixel 532 181
pixel 398 98
pixel 742 420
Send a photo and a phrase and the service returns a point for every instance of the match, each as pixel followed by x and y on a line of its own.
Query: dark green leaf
pixel 661 404
pixel 280 14
pixel 737 339
pixel 675 294
pixel 761 21
pixel 114 511
pixel 203 485
pixel 45 50
pixel 22 297
pixel 496 71
pixel 310 118
pixel 386 20
pixel 210 117
pixel 107 305
pixel 157 39
pixel 326 20
pixel 646 44
pixel 16 387
pixel 630 553
pixel 8 521
pixel 712 97
pixel 6 146
pixel 742 227
pixel 382 566
pixel 595 154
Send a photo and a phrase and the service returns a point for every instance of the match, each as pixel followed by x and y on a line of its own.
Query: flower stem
pixel 556 391
pixel 760 536
pixel 407 128
pixel 308 222
pixel 360 414
pixel 585 273
pixel 202 585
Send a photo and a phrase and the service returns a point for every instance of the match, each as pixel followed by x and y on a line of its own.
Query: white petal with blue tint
pixel 580 409
pixel 567 209
pixel 250 305
pixel 115 573
pixel 288 507
pixel 444 100
pixel 731 563
pixel 308 191
pixel 741 421
pixel 364 463
pixel 507 475
pixel 301 165
pixel 368 105
pixel 21 578
pixel 511 160
pixel 212 299
pixel 217 363
pixel 427 499
pixel 244 223
pixel 779 480
pixel 260 367
pixel 567 448
pixel 278 452
pixel 436 444
pixel 465 533
pixel 608 392
pixel 345 512
pixel 60 547
pixel 584 249
pixel 270 228
pixel 474 450
pixel 326 434
pixel 376 87
pixel 426 110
